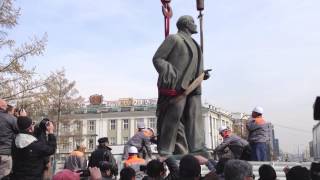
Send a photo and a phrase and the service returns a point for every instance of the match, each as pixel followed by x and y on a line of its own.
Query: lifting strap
pixel 167 13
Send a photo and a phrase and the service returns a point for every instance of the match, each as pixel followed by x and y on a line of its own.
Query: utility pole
pixel 299 153
pixel 200 8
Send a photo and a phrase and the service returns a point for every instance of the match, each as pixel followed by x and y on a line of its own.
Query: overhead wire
pixel 292 128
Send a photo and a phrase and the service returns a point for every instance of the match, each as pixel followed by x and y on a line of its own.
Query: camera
pixel 316 109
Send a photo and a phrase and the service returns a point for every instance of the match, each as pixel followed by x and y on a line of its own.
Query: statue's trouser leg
pixel 169 123
pixel 194 124
pixel 181 146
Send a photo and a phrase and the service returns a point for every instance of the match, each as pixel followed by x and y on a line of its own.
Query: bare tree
pixel 16 81
pixel 62 96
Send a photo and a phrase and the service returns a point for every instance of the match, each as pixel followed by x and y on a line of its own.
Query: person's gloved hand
pixel 206 74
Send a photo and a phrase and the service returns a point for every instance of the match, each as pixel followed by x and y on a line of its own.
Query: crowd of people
pixel 25 150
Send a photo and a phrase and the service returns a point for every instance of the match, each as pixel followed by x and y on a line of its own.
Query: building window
pixel 77 142
pixel 65 128
pixel 139 120
pixel 92 126
pixel 125 140
pixel 152 123
pixel 78 125
pixel 64 145
pixel 113 124
pixel 112 140
pixel 91 143
pixel 126 124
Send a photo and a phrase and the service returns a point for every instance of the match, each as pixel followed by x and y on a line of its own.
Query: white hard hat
pixel 258 109
pixel 141 125
pixel 152 130
pixel 223 128
pixel 133 150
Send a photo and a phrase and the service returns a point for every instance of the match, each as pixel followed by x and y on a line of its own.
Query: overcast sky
pixel 263 52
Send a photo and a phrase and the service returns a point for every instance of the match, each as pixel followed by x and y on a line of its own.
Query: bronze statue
pixel 179 63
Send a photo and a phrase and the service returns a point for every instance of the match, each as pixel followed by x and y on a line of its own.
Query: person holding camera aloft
pixel 28 152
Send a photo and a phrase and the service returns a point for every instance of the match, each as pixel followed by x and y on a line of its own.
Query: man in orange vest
pixel 257 135
pixel 135 162
pixel 76 160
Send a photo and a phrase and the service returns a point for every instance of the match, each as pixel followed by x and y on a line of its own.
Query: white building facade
pixel 121 123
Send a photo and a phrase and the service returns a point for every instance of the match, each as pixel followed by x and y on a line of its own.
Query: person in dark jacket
pixel 142 141
pixel 267 172
pixel 231 141
pixel 103 153
pixel 105 168
pixel 156 169
pixel 28 152
pixel 189 168
pixel 315 170
pixel 298 173
pixel 127 174
pixel 8 127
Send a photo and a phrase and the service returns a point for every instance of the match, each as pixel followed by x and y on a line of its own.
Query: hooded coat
pixel 28 156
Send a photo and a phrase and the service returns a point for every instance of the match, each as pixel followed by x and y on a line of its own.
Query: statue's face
pixel 192 27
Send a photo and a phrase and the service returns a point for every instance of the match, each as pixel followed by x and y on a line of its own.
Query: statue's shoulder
pixel 174 37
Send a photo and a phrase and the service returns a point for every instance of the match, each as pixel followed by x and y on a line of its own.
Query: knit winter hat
pixel 24 122
pixel 66 174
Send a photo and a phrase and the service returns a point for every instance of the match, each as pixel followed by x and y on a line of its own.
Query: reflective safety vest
pixel 135 162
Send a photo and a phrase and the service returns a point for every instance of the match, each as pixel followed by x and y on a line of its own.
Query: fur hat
pixel 103 140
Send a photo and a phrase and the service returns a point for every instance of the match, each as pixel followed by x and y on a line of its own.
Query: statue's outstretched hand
pixel 206 74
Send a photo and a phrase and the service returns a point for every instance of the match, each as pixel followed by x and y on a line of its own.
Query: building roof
pixel 112 114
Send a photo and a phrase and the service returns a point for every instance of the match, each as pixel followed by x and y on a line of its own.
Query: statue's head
pixel 186 23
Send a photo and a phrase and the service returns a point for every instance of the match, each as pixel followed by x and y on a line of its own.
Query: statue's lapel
pixel 188 41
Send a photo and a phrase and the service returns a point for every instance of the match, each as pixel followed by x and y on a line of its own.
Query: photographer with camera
pixel 29 152
pixel 41 133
